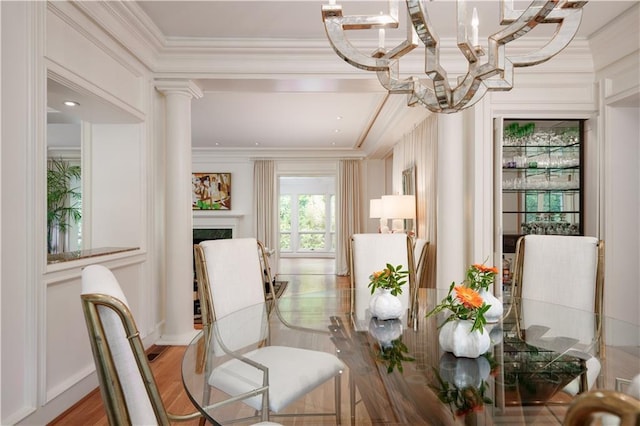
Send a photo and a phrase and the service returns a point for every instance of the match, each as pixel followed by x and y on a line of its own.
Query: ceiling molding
pixel 126 23
pixel 205 155
pixel 212 58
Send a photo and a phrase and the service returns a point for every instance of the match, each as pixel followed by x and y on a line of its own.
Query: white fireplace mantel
pixel 207 219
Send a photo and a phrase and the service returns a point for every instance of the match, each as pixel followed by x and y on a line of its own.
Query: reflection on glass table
pixel 516 381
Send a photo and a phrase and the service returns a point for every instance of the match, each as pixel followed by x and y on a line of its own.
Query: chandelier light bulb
pixel 475 23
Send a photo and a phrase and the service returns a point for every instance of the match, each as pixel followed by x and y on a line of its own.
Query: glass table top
pixel 401 375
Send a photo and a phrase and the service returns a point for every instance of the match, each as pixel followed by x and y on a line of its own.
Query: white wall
pixel 46 360
pixel 17 283
pixel 375 174
pixel 622 229
pixel 618 81
pixel 240 218
pixel 116 167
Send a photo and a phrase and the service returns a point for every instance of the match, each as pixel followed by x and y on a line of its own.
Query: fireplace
pixel 200 235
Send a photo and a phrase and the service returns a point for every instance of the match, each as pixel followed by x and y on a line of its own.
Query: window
pixel 539 204
pixel 307 216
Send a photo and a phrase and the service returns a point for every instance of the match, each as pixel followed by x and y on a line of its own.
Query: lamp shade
pixel 375 208
pixel 399 206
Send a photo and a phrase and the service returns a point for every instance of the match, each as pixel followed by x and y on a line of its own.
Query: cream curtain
pixel 347 210
pixel 420 149
pixel 265 203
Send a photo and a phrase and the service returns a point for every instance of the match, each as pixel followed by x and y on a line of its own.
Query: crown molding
pixel 125 22
pixel 216 155
pixel 623 33
pixel 179 86
pixel 197 57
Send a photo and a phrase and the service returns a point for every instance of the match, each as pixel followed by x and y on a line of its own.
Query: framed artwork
pixel 211 191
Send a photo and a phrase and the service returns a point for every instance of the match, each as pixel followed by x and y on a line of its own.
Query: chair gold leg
pixel 352 399
pixel 338 399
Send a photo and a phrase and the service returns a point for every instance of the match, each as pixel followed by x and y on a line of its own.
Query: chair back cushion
pixel 244 328
pixel 371 253
pixel 235 274
pixel 561 270
pixel 97 279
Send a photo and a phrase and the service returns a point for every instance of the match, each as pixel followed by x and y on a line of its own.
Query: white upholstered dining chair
pixel 128 387
pixel 371 252
pixel 234 273
pixel 567 271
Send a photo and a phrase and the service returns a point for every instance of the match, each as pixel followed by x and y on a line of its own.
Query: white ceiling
pixel 299 109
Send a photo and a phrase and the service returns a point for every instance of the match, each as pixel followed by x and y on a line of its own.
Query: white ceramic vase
pixel 464 372
pixel 495 311
pixel 385 331
pixel 384 305
pixel 456 337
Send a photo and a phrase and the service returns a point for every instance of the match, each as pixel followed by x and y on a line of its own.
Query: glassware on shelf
pixel 537 183
pixel 552 223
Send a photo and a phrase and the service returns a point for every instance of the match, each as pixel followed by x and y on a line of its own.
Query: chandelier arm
pixel 504 82
pixel 497 62
pixel 410 43
pixel 470 85
pixel 390 81
pixel 336 24
pixel 361 22
pixel 530 18
pixel 565 32
pixel 433 70
pixel 421 23
pixel 400 50
pixel 348 52
pixel 471 96
pixel 426 97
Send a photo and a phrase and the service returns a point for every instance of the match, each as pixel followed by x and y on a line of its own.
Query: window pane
pixel 285 212
pixel 311 242
pixel 311 213
pixel 332 225
pixel 285 242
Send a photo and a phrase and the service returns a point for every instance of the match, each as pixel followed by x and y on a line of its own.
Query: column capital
pixel 187 87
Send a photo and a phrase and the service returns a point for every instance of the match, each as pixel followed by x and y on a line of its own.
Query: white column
pixel 178 327
pixel 451 227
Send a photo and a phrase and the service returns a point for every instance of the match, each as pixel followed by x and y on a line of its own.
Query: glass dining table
pixel 396 373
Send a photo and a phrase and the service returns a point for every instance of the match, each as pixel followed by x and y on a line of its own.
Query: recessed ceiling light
pixel 339 117
pixel 257 143
pixel 217 143
pixel 337 130
pixel 333 143
pixel 71 103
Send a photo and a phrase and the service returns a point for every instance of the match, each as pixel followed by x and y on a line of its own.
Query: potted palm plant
pixel 63 201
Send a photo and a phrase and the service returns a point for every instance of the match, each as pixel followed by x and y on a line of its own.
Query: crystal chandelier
pixel 491 70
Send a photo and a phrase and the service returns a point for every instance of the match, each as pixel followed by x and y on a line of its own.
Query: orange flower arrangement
pixel 390 278
pixel 467 304
pixel 462 401
pixel 480 276
pixel 468 297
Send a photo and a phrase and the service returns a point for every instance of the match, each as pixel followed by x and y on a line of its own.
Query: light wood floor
pixel 303 275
